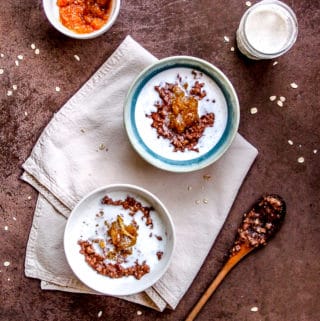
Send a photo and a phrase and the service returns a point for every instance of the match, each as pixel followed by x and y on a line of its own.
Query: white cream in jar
pixel 267 30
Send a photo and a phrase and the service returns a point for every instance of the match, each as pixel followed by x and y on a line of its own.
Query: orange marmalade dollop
pixel 84 16
pixel 123 237
pixel 184 110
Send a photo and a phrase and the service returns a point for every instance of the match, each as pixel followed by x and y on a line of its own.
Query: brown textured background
pixel 282 280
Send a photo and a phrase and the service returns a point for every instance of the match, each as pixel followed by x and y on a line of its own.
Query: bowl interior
pixel 84 224
pixel 222 101
pixel 52 12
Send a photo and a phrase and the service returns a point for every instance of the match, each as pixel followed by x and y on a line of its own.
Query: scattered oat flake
pixel 253 110
pixel 102 146
pixel 282 98
pixel 280 103
pixel 275 63
pixel 248 3
pixel 300 160
pixel 26 113
pixel 76 57
pixel 37 51
pixel 6 263
pixel 6 228
pixel 254 309
pixel 2 55
pixel 273 98
pixel 197 202
pixel 290 142
pixel 29 197
pixel 14 218
pixel 232 49
pixel 294 85
pixel 58 89
pixel 20 57
pixel 226 38
pixel 189 188
pixel 139 312
pixel 14 87
pixel 9 279
pixel 9 93
pixel 315 151
pixel 205 201
pixel 33 46
pixel 17 63
pixel 82 130
pixel 99 314
pixel 1 71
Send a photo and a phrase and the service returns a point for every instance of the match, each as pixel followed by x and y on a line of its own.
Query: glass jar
pixel 267 30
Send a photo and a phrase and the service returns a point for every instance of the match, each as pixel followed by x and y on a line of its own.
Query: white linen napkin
pixel 85 146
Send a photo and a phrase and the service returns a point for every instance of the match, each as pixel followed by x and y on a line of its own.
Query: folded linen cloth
pixel 85 146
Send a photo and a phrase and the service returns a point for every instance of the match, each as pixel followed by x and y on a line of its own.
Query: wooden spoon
pixel 258 225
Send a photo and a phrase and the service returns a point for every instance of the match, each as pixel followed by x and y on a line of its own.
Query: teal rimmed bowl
pixel 221 99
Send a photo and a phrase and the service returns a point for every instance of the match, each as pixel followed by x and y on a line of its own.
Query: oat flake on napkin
pixel 85 146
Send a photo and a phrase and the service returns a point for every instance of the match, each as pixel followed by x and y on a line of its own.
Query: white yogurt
pixel 267 30
pixel 213 102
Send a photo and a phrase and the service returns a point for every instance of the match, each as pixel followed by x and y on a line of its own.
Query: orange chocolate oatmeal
pixel 110 254
pixel 177 118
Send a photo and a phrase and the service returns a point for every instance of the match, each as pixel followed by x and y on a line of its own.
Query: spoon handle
pixel 233 260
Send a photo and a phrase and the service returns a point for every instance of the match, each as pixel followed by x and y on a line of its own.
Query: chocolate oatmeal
pixel 113 270
pixel 131 204
pixel 260 223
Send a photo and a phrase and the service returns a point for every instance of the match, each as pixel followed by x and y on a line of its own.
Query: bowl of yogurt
pixel 119 239
pixel 181 114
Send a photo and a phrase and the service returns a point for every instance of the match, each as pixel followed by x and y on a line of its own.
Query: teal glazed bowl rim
pixel 228 135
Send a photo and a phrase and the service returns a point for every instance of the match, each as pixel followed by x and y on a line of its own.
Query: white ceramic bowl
pixel 221 99
pixel 52 12
pixel 83 223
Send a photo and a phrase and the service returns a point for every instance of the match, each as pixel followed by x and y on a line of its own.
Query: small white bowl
pixel 84 223
pixel 221 99
pixel 52 12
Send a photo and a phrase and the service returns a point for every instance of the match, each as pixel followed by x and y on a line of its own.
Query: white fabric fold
pixel 85 146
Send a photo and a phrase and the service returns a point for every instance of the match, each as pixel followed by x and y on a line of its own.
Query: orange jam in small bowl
pixel 82 19
pixel 84 16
